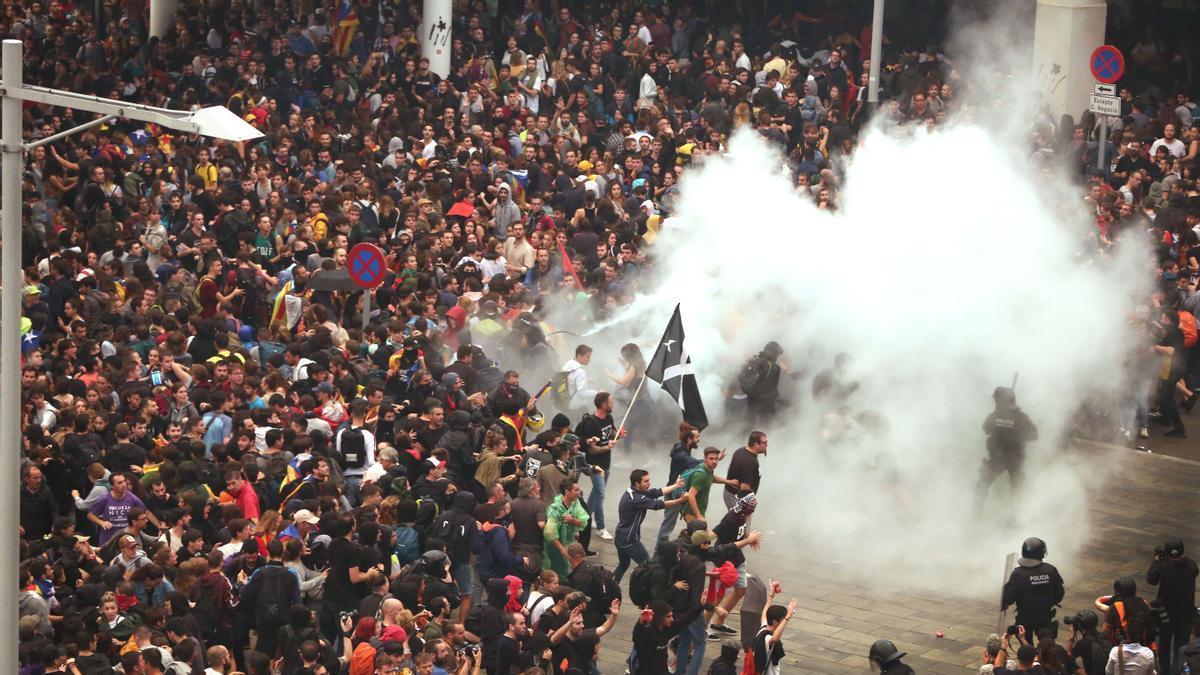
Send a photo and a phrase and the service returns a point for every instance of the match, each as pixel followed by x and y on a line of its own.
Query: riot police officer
pixel 1008 429
pixel 1175 575
pixel 886 657
pixel 1035 587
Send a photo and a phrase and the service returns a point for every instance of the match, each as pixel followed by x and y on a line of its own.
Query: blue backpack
pixel 408 544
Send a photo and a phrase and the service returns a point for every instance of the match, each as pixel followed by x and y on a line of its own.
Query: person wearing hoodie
pixel 505 212
pixel 460 451
pixel 458 530
pixel 681 460
pixel 217 608
pixel 491 621
pixel 494 557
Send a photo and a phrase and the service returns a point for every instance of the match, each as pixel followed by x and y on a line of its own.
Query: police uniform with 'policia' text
pixel 1035 587
pixel 1008 429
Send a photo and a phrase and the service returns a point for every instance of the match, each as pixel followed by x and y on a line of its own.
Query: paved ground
pixel 1150 497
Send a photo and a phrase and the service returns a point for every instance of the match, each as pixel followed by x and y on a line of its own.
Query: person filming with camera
pixel 1087 647
pixel 1175 575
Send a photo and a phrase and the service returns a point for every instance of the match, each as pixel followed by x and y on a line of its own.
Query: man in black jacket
pixel 1175 575
pixel 653 632
pixel 38 506
pixel 267 597
pixel 460 451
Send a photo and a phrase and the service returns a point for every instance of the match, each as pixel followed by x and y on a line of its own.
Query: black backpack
pixel 450 528
pixel 273 598
pixel 755 377
pixel 353 448
pixel 602 588
pixel 641 583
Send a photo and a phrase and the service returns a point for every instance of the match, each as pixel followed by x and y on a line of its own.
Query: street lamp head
pixel 220 122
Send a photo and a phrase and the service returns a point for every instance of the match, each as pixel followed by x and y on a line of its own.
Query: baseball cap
pixel 325 387
pixel 703 537
pixel 165 271
pixel 32 290
pixel 585 165
pixel 305 516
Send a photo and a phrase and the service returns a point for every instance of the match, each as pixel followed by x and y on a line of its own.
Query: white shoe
pixel 604 534
pixel 1143 433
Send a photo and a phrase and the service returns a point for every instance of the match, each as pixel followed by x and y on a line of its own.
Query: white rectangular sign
pixel 1106 89
pixel 1109 106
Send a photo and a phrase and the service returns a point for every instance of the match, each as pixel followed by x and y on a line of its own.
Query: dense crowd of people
pixel 226 468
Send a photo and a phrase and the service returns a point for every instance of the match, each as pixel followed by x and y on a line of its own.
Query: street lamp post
pixel 876 56
pixel 216 121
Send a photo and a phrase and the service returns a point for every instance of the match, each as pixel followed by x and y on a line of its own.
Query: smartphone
pixel 156 378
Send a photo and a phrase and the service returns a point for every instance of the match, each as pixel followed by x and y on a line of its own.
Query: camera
pixel 1011 630
pixel 353 616
pixel 468 650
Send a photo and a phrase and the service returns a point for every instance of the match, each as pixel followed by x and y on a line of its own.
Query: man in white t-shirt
pixel 1176 147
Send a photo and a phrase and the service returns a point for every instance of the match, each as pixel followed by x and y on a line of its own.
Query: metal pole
pixel 366 310
pixel 10 347
pixel 1101 141
pixel 631 402
pixel 876 56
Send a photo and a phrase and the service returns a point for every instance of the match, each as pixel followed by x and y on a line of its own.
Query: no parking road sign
pixel 1107 64
pixel 366 265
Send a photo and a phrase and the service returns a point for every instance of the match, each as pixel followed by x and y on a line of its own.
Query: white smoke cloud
pixel 946 270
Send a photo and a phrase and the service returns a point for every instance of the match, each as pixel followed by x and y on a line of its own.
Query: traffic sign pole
pixel 1107 64
pixel 366 321
pixel 367 268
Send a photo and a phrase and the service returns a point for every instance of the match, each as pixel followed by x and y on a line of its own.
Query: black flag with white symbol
pixel 672 368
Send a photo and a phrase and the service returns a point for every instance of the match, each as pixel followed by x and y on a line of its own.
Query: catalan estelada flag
pixel 345 27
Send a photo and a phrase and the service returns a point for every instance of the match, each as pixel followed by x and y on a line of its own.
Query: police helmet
pixel 884 652
pixel 1125 587
pixel 1004 396
pixel 434 562
pixel 1034 548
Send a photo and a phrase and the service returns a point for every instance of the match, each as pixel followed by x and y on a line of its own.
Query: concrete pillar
pixel 435 35
pixel 162 17
pixel 1064 35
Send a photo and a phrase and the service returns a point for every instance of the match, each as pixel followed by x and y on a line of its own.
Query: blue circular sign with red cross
pixel 1108 64
pixel 366 265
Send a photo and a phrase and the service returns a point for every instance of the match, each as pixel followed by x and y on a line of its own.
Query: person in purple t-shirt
pixel 111 514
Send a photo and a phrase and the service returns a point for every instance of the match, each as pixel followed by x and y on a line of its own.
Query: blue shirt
pixel 219 426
